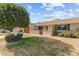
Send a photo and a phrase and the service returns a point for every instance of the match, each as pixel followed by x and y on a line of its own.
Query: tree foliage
pixel 13 15
pixel 55 30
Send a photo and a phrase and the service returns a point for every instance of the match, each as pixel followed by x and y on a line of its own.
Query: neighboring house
pixel 46 28
pixel 27 29
pixel 17 29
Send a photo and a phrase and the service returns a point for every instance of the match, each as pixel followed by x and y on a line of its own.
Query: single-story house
pixel 46 28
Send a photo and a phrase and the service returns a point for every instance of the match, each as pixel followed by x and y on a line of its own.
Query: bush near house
pixel 77 34
pixel 67 34
pixel 13 38
pixel 55 33
pixel 71 35
pixel 77 30
pixel 61 34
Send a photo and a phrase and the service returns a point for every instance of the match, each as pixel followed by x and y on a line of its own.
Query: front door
pixel 40 32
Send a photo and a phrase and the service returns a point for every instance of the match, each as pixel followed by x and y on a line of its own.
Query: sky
pixel 40 12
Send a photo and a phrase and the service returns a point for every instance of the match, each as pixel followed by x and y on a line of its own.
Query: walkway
pixel 2 42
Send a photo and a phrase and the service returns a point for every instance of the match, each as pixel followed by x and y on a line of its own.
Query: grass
pixel 39 46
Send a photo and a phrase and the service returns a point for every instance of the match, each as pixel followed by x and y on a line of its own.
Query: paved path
pixel 2 42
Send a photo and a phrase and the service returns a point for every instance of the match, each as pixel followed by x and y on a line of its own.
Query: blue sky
pixel 40 12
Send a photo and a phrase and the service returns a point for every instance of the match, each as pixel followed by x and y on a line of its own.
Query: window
pixel 63 27
pixel 45 27
pixel 40 27
pixel 35 28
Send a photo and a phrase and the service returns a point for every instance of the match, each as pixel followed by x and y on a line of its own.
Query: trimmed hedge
pixel 13 38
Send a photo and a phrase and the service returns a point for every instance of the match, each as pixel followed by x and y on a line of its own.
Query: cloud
pixel 56 15
pixel 50 6
pixel 71 14
pixel 58 4
pixel 49 9
pixel 48 16
pixel 44 5
pixel 29 7
pixel 70 10
pixel 38 14
pixel 59 14
pixel 35 14
pixel 77 10
pixel 32 14
pixel 76 3
pixel 63 15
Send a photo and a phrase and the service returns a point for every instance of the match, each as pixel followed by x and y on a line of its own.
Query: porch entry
pixel 40 32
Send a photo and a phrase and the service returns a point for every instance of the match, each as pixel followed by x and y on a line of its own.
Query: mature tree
pixel 13 15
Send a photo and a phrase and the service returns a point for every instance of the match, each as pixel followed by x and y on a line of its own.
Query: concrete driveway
pixel 2 35
pixel 2 41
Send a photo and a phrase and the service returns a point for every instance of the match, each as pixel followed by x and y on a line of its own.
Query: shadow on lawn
pixel 38 46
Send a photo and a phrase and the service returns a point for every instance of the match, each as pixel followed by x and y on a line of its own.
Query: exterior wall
pixel 73 27
pixel 34 31
pixel 45 32
pixel 27 29
pixel 17 29
pixel 48 32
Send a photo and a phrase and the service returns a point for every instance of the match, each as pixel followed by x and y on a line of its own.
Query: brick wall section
pixel 27 29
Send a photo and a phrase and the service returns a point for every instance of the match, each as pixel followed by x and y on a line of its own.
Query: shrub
pixel 72 35
pixel 19 35
pixel 67 34
pixel 55 33
pixel 77 30
pixel 77 34
pixel 64 34
pixel 13 38
pixel 61 34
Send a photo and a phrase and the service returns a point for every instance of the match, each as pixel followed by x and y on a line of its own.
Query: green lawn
pixel 38 46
